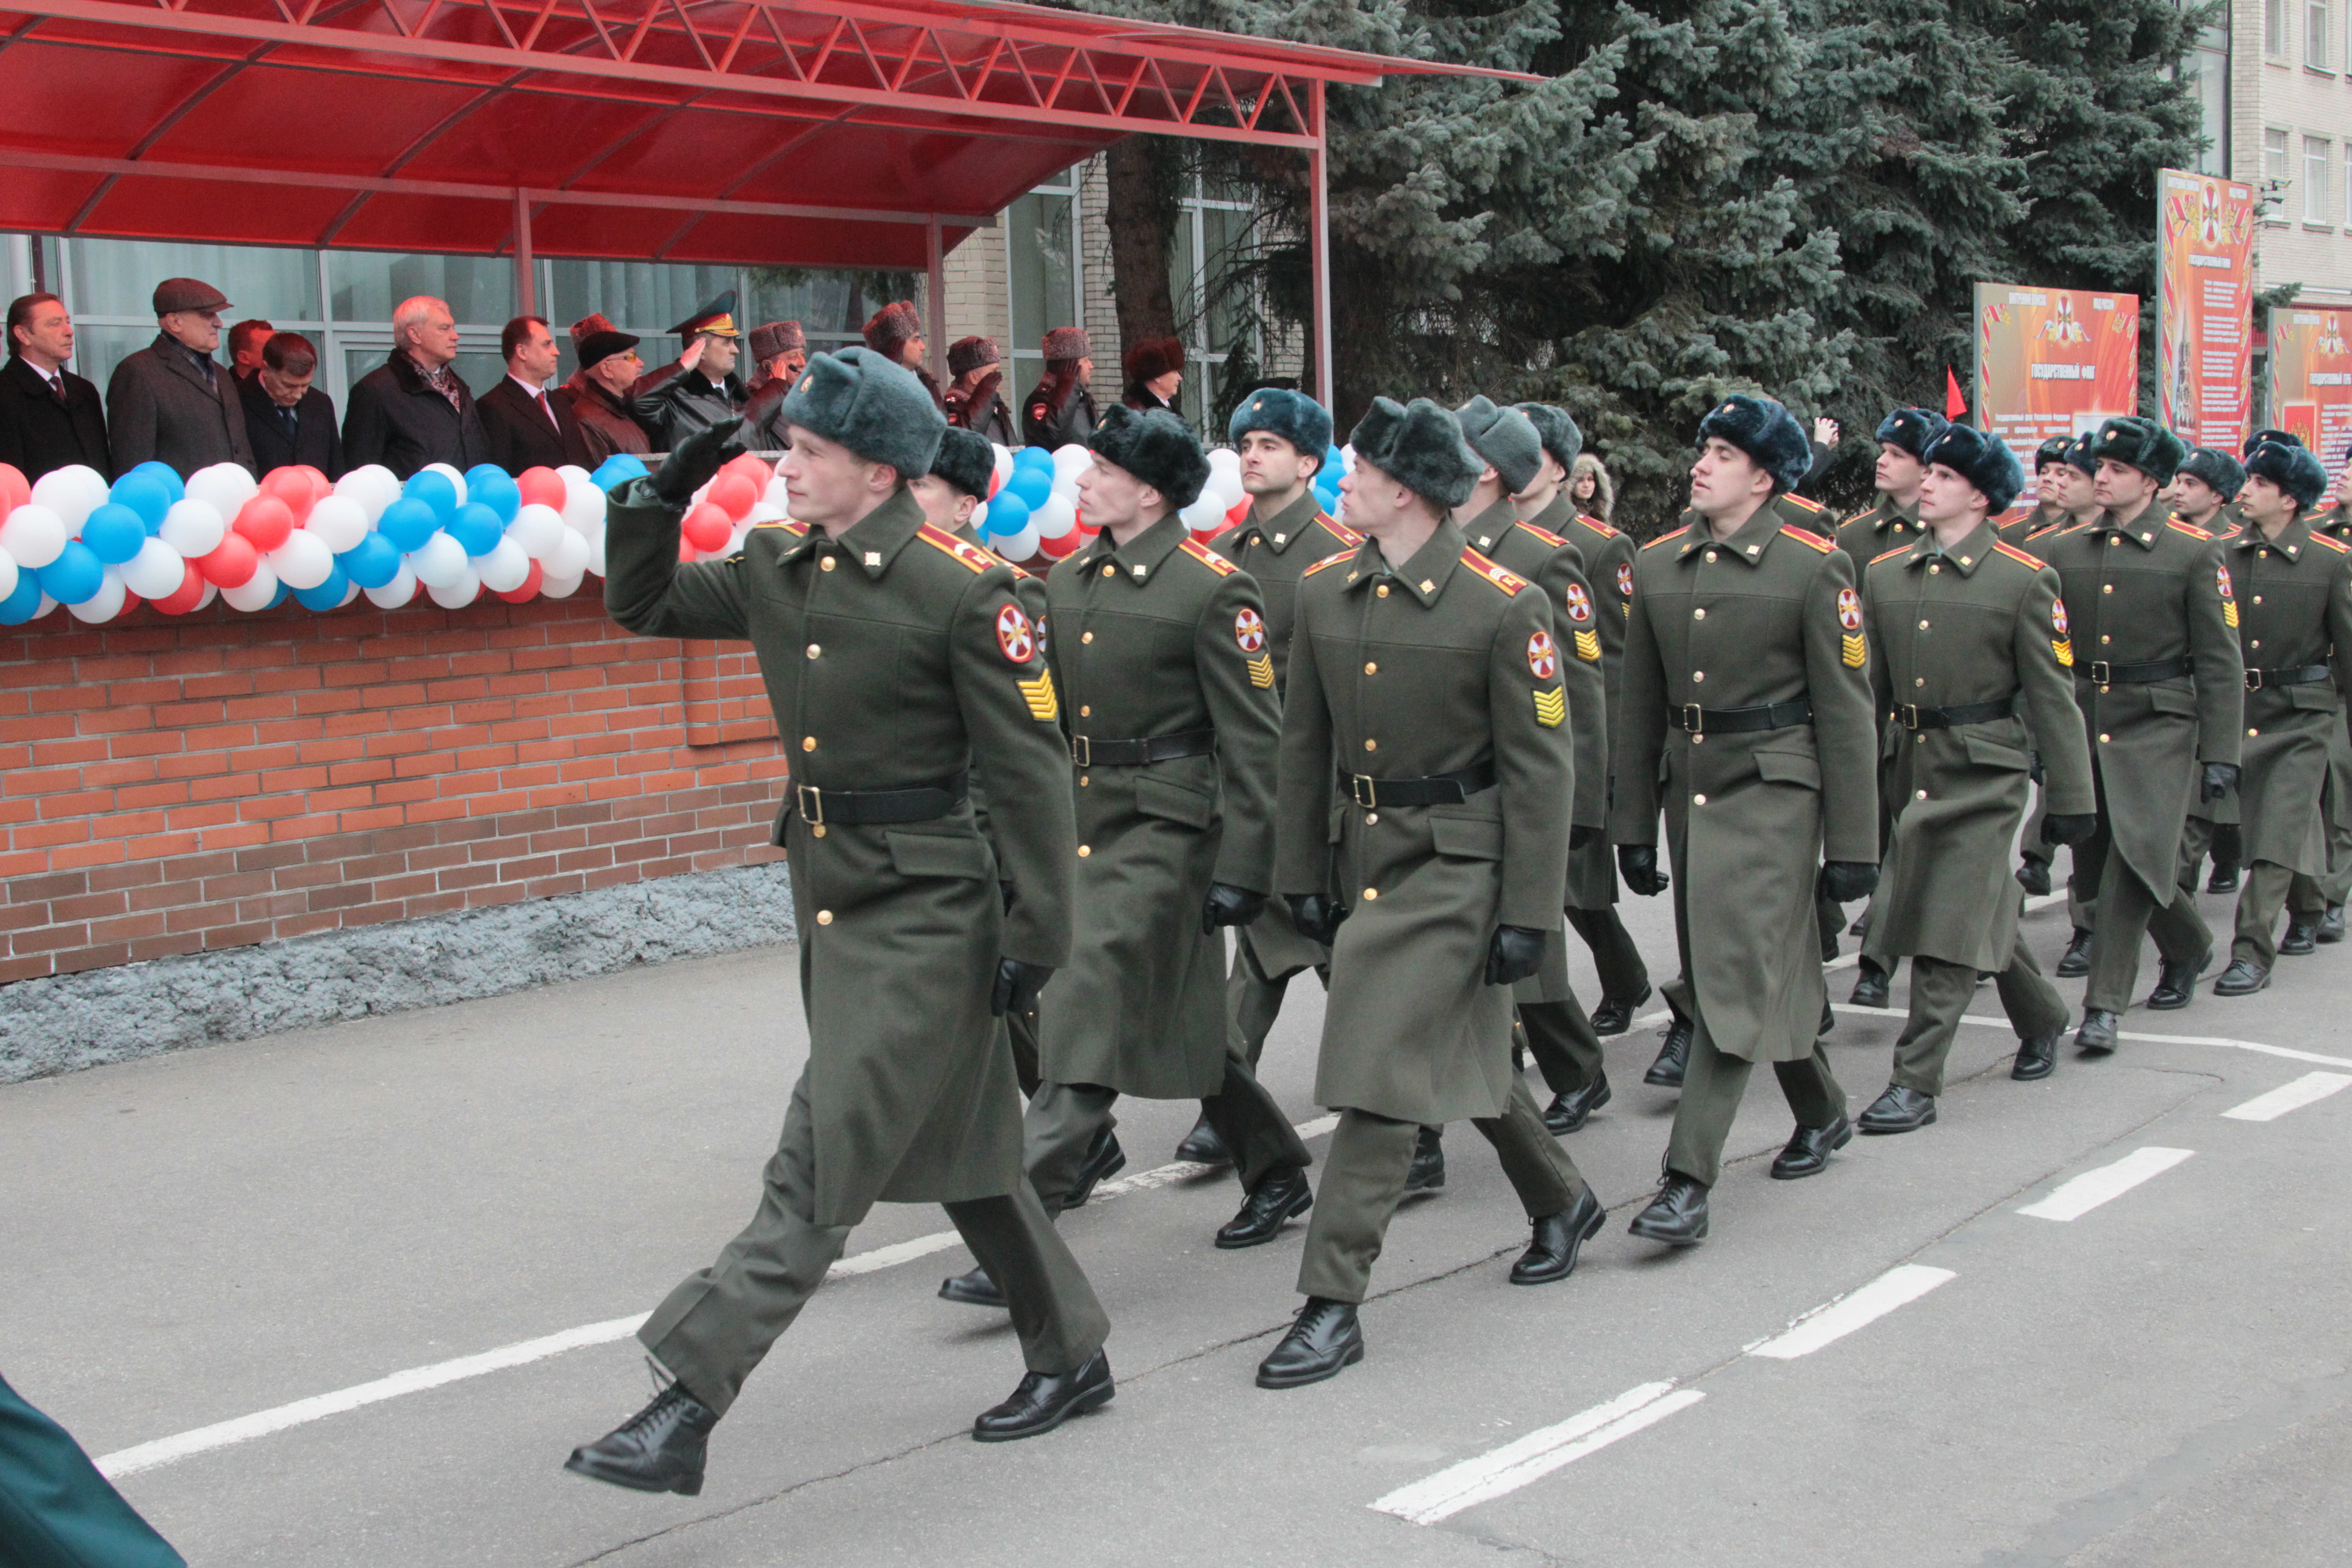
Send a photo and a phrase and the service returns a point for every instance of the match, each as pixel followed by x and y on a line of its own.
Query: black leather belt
pixel 2305 675
pixel 846 807
pixel 1913 717
pixel 1089 753
pixel 2108 674
pixel 1437 789
pixel 1701 721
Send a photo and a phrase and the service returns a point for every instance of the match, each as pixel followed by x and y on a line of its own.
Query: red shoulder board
pixel 1554 540
pixel 2190 529
pixel 2014 554
pixel 1805 536
pixel 1663 537
pixel 1898 550
pixel 1326 561
pixel 1597 526
pixel 2043 533
pixel 797 530
pixel 2332 543
pixel 947 543
pixel 1509 582
pixel 1797 500
pixel 1340 531
pixel 1206 556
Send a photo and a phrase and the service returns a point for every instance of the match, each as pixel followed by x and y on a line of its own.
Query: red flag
pixel 1955 406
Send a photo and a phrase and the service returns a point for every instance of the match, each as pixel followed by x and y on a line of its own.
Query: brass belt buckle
pixel 1909 713
pixel 1693 718
pixel 2102 671
pixel 1364 790
pixel 2254 681
pixel 812 800
pixel 1082 750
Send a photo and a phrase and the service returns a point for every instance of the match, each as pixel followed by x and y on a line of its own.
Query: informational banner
pixel 2053 362
pixel 2205 307
pixel 2310 377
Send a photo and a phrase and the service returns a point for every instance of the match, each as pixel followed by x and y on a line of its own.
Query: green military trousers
pixel 1940 993
pixel 2270 886
pixel 1063 1119
pixel 715 1327
pixel 1560 1039
pixel 1713 1084
pixel 56 1509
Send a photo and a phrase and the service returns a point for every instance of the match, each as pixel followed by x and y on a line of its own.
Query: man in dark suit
pixel 527 427
pixel 171 401
pixel 412 410
pixel 288 420
pixel 49 417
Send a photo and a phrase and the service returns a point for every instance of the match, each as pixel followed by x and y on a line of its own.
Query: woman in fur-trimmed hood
pixel 1599 498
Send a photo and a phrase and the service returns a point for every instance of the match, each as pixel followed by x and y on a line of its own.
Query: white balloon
pixel 34 534
pixel 440 561
pixel 596 554
pixel 1203 515
pixel 1224 460
pixel 351 592
pixel 370 486
pixel 396 593
pixel 66 493
pixel 1018 546
pixel 504 569
pixel 104 605
pixel 212 591
pixel 779 495
pixel 337 522
pixel 1070 459
pixel 1066 488
pixel 736 535
pixel 155 571
pixel 1227 488
pixel 46 605
pixel 537 530
pixel 225 485
pixel 762 512
pixel 574 476
pixel 303 561
pixel 452 475
pixel 8 573
pixel 1055 519
pixel 570 557
pixel 193 528
pixel 455 595
pixel 583 509
pixel 255 592
pixel 551 586
pixel 980 518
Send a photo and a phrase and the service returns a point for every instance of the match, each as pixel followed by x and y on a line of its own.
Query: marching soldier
pixel 902 661
pixel 1159 654
pixel 1559 1037
pixel 2157 674
pixel 1428 675
pixel 1970 641
pixel 2071 490
pixel 1605 556
pixel 2204 495
pixel 2336 522
pixel 2050 509
pixel 2294 590
pixel 1747 708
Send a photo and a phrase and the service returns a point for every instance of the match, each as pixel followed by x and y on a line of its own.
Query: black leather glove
pixel 1577 837
pixel 1017 984
pixel 2033 766
pixel 698 457
pixel 1227 905
pixel 1317 917
pixel 1513 954
pixel 1638 863
pixel 2056 829
pixel 2219 779
pixel 1849 879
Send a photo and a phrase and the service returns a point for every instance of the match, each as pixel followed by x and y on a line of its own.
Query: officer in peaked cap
pixel 699 388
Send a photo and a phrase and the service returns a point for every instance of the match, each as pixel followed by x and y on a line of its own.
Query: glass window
pixel 365 285
pixel 2275 156
pixel 2274 27
pixel 2206 72
pixel 1216 300
pixel 2315 34
pixel 641 297
pixel 1044 275
pixel 118 278
pixel 2314 179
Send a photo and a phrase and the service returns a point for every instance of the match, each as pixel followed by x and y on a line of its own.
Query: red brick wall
pixel 176 785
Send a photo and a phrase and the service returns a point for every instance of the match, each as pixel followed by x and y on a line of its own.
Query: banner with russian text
pixel 2205 307
pixel 2053 362
pixel 2310 377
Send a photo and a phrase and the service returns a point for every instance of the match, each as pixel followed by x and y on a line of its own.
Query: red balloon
pixel 130 602
pixel 1237 513
pixel 320 486
pixel 752 467
pixel 529 589
pixel 290 487
pixel 995 483
pixel 1054 549
pixel 540 487
pixel 186 596
pixel 685 548
pixel 265 521
pixel 15 490
pixel 234 561
pixel 709 527
pixel 732 494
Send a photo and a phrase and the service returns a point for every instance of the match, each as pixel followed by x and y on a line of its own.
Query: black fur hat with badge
pixel 1912 430
pixel 876 409
pixel 1419 445
pixel 1293 415
pixel 1766 432
pixel 2292 469
pixel 2221 473
pixel 965 461
pixel 1985 461
pixel 2141 444
pixel 1505 438
pixel 1158 448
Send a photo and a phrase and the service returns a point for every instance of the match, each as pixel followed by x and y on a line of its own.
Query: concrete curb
pixel 64 1022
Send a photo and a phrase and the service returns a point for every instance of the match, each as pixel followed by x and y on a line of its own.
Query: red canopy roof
pixel 693 131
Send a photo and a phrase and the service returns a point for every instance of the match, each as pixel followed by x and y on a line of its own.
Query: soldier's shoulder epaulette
pixel 1663 537
pixel 2190 529
pixel 2332 543
pixel 1803 503
pixel 1890 554
pixel 1509 581
pixel 2003 547
pixel 2044 533
pixel 1328 561
pixel 946 544
pixel 797 530
pixel 1849 521
pixel 1206 556
pixel 1806 536
pixel 1597 526
pixel 2063 530
pixel 1339 530
pixel 1554 540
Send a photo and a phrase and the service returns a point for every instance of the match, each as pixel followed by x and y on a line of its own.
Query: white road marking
pixel 261 1424
pixel 2303 1092
pixel 1825 1325
pixel 1506 1469
pixel 2092 1188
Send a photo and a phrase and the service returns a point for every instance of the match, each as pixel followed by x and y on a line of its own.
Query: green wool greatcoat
pixel 1605 556
pixel 2293 595
pixel 1950 628
pixel 1438 666
pixel 2136 590
pixel 894 658
pixel 1157 637
pixel 1769 615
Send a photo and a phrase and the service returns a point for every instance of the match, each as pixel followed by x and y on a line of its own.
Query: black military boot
pixel 1279 1194
pixel 2331 924
pixel 658 1449
pixel 2176 983
pixel 2242 978
pixel 1898 1110
pixel 2098 1035
pixel 1677 1216
pixel 1104 1158
pixel 1202 1146
pixel 1808 1151
pixel 1667 1072
pixel 2037 1058
pixel 1615 1013
pixel 1571 1107
pixel 1324 1337
pixel 2301 936
pixel 2075 961
pixel 1428 1172
pixel 1870 985
pixel 1043 1400
pixel 1551 1252
pixel 2224 879
pixel 2033 876
pixel 973 1289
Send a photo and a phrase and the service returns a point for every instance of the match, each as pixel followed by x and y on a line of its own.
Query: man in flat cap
pixel 2295 600
pixel 697 389
pixel 2204 494
pixel 2153 616
pixel 1060 410
pixel 599 390
pixel 172 402
pixel 1430 674
pixel 898 661
pixel 975 399
pixel 896 332
pixel 1748 718
pixel 1970 656
pixel 779 352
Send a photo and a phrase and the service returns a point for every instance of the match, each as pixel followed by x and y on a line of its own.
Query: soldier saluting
pixel 897 660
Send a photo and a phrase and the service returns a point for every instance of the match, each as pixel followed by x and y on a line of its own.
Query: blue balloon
pixel 75 575
pixel 618 468
pixel 408 523
pixel 140 492
pixel 22 601
pixel 1033 457
pixel 371 563
pixel 494 487
pixel 328 595
pixel 434 490
pixel 476 528
pixel 164 475
pixel 1007 513
pixel 1033 485
pixel 113 533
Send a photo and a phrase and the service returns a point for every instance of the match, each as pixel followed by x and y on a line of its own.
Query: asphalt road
pixel 211 1237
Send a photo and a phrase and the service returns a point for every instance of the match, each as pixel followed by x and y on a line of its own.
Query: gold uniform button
pixel 1918 680
pixel 1922 795
pixel 1934 571
pixel 1085 850
pixel 824 917
pixel 814 650
pixel 1370 817
pixel 1699 614
pixel 1371 894
pixel 1108 570
pixel 1371 669
pixel 1710 555
pixel 1371 745
pixel 825 563
pixel 818 830
pixel 808 743
pixel 1698 675
pixel 2263 553
pixel 1087 636
pixel 2104 639
pixel 2107 588
pixel 1918 739
pixel 1698 800
pixel 1922 626
pixel 2256 643
pixel 1086 712
pixel 2253 731
pixel 2258 598
pixel 2102 740
pixel 1382 590
pixel 1082 781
